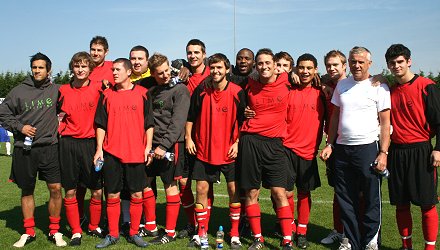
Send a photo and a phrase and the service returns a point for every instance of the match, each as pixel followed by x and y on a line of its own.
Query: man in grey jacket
pixel 29 111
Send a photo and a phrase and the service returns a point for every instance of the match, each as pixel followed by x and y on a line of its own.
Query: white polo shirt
pixel 359 104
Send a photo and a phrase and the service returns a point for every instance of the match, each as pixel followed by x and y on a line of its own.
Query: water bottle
pixel 99 164
pixel 385 173
pixel 204 244
pixel 219 237
pixel 27 145
pixel 169 156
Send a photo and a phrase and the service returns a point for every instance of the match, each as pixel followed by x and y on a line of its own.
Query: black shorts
pixel 412 176
pixel 261 160
pixel 188 165
pixel 211 173
pixel 169 171
pixel 76 160
pixel 302 173
pixel 27 163
pixel 119 175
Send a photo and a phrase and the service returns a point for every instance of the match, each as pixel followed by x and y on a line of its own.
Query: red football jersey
pixel 103 72
pixel 217 117
pixel 79 106
pixel 125 115
pixel 269 101
pixel 408 111
pixel 196 79
pixel 305 118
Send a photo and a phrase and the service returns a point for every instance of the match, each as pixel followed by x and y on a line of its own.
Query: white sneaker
pixel 24 239
pixel 372 246
pixel 345 245
pixel 57 238
pixel 332 237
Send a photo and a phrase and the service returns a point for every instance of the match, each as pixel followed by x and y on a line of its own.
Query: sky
pixel 60 28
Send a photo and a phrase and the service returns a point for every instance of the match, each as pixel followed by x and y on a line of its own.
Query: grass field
pixel 319 226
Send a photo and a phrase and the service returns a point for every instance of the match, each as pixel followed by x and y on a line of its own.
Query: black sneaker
pixel 287 246
pixel 187 232
pixel 75 240
pixel 137 240
pixel 301 241
pixel 57 238
pixel 235 243
pixel 150 233
pixel 108 240
pixel 194 242
pixel 256 245
pixel 24 240
pixel 163 239
pixel 96 233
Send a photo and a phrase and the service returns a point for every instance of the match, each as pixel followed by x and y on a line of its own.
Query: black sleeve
pixel 101 116
pixel 241 105
pixel 60 102
pixel 195 104
pixel 9 110
pixel 432 112
pixel 148 112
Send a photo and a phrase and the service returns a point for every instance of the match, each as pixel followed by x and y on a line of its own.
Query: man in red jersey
pixel 170 110
pixel 306 106
pixel 103 69
pixel 261 155
pixel 336 66
pixel 195 54
pixel 101 73
pixel 216 115
pixel 29 111
pixel 412 161
pixel 121 107
pixel 78 101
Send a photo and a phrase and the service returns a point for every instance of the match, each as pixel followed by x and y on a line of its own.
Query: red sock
pixel 149 201
pixel 292 208
pixel 29 225
pixel 201 217
pixel 187 199
pixel 80 195
pixel 95 213
pixel 113 213
pixel 304 206
pixel 253 213
pixel 135 215
pixel 210 203
pixel 72 214
pixel 337 223
pixel 404 224
pixel 172 214
pixel 54 225
pixel 284 215
pixel 234 216
pixel 430 226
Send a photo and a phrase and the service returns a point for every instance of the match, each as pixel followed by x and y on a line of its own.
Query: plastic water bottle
pixel 204 244
pixel 27 144
pixel 385 173
pixel 99 164
pixel 219 237
pixel 169 156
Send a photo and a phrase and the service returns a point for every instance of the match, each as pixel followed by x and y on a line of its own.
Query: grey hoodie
pixel 27 104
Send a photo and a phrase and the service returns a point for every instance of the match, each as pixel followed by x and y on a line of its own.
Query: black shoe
pixel 57 238
pixel 301 241
pixel 236 244
pixel 163 239
pixel 108 240
pixel 137 240
pixel 287 246
pixel 144 232
pixel 194 242
pixel 96 233
pixel 188 231
pixel 24 240
pixel 75 240
pixel 256 245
